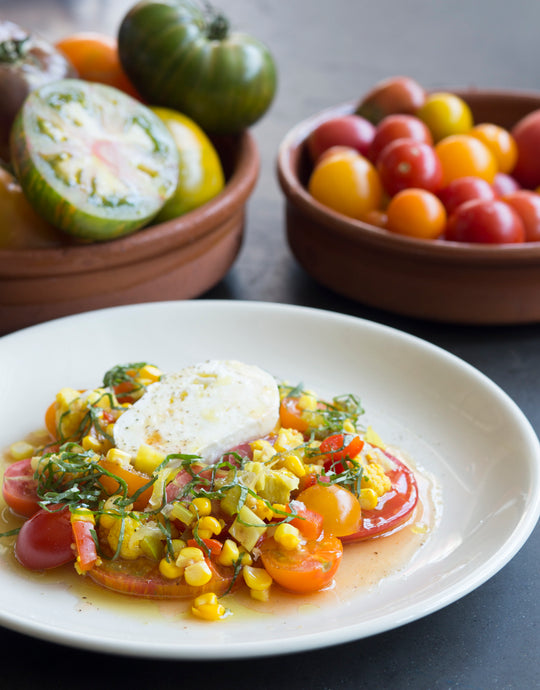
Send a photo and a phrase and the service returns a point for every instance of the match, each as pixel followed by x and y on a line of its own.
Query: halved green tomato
pixel 201 175
pixel 91 160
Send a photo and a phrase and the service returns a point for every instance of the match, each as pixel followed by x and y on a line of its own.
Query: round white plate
pixel 450 418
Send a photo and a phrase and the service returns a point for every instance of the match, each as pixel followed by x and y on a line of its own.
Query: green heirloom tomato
pixel 200 176
pixel 91 160
pixel 181 57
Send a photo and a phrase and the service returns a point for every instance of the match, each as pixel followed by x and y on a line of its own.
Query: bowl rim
pixel 360 233
pixel 147 242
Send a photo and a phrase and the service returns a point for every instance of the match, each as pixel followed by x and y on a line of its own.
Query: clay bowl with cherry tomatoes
pixel 441 274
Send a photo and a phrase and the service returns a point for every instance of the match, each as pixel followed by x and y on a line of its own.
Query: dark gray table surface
pixel 329 53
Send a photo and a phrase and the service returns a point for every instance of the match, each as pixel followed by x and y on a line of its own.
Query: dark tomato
pixel 465 189
pixel 407 163
pixel 393 95
pixel 19 488
pixel 348 130
pixel 504 184
pixel 398 127
pixel 45 540
pixel 488 222
pixel 393 509
pixel 526 134
pixel 527 205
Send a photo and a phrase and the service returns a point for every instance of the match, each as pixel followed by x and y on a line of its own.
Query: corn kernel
pixel 349 427
pixel 207 607
pixel 287 535
pixel 198 574
pixel 189 555
pixel 92 443
pixel 295 465
pixel 206 598
pixel 256 578
pixel 307 402
pixel 245 558
pixel 287 439
pixel 260 594
pixel 20 450
pixel 201 506
pixel 148 374
pixel 229 553
pixel 368 499
pixel 119 457
pixel 170 570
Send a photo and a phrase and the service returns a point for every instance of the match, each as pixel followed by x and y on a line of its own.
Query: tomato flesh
pixel 339 507
pixel 19 488
pixel 45 540
pixel 306 569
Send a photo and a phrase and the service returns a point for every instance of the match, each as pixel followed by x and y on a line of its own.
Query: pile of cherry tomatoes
pixel 416 163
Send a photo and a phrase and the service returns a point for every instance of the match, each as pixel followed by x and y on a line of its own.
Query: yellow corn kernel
pixel 368 499
pixel 245 558
pixel 229 553
pixel 349 427
pixel 263 451
pixel 287 535
pixel 148 374
pixel 170 570
pixel 261 509
pixel 110 429
pixel 256 578
pixel 93 443
pixel 295 465
pixel 287 439
pixel 189 555
pixel 201 506
pixel 20 450
pixel 307 402
pixel 279 508
pixel 260 594
pixel 98 398
pixel 374 477
pixel 207 607
pixel 119 457
pixel 198 574
pixel 147 459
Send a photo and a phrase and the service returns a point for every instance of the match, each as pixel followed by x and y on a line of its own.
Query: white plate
pixel 454 421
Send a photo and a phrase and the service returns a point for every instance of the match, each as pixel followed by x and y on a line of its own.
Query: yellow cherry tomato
pixel 416 213
pixel 346 182
pixel 462 155
pixel 445 114
pixel 201 175
pixel 500 142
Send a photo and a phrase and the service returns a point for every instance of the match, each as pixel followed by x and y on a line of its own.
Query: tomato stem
pixel 217 23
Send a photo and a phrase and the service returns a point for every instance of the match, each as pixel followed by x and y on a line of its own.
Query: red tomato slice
pixel 142 578
pixel 84 544
pixel 45 540
pixel 306 569
pixel 393 509
pixel 338 448
pixel 19 488
pixel 309 522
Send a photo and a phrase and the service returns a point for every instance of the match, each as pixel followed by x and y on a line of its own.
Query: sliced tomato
pixel 45 540
pixel 142 578
pixel 213 545
pixel 309 522
pixel 85 545
pixel 393 509
pixel 306 569
pixel 19 488
pixel 135 482
pixel 339 507
pixel 50 420
pixel 290 415
pixel 338 448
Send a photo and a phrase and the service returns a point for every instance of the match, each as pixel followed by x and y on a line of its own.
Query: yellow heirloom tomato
pixel 201 176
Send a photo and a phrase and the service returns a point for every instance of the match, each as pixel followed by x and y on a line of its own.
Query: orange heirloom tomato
pixel 135 482
pixel 500 142
pixel 445 114
pixel 306 569
pixel 416 213
pixel 346 182
pixel 463 155
pixel 339 508
pixel 95 57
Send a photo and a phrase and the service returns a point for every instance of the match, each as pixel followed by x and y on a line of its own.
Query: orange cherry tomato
pixel 500 142
pixel 463 155
pixel 50 420
pixel 95 57
pixel 339 507
pixel 445 114
pixel 134 480
pixel 290 415
pixel 306 569
pixel 416 213
pixel 346 182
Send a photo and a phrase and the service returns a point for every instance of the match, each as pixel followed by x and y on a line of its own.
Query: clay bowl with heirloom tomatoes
pixel 177 259
pixel 469 280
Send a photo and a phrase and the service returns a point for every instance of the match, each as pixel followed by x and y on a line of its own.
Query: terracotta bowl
pixel 429 279
pixel 179 259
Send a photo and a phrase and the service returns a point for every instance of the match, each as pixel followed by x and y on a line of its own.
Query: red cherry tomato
pixel 527 205
pixel 348 130
pixel 407 163
pixel 504 184
pixel 398 127
pixel 45 540
pixel 488 222
pixel 465 189
pixel 19 488
pixel 394 95
pixel 306 569
pixel 526 134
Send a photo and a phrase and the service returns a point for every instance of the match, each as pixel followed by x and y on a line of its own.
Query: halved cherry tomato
pixel 339 507
pixel 45 540
pixel 134 480
pixel 50 420
pixel 308 521
pixel 306 569
pixel 19 488
pixel 290 415
pixel 394 508
pixel 142 578
pixel 339 448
